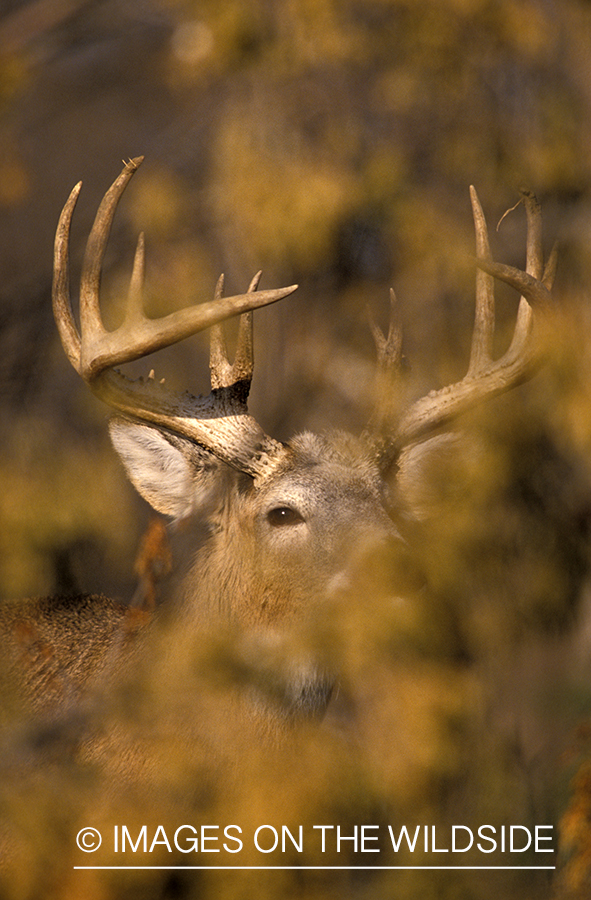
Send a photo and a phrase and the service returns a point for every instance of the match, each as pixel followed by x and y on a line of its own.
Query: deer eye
pixel 283 515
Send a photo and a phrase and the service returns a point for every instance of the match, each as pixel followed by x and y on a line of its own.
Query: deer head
pixel 279 526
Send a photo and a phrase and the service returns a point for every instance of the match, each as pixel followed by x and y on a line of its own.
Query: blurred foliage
pixel 330 143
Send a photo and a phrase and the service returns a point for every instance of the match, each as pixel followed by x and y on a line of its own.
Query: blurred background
pixel 331 143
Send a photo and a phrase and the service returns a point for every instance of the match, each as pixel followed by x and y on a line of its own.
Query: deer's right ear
pixel 163 471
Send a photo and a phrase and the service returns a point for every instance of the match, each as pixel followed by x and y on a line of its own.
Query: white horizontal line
pixel 299 868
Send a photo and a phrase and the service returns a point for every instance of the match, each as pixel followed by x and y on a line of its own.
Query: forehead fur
pixel 335 446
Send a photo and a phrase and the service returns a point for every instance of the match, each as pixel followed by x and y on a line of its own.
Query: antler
pixel 218 422
pixel 486 376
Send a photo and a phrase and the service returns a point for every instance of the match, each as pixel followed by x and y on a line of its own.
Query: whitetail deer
pixel 280 524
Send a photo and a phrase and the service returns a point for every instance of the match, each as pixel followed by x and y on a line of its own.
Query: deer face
pixel 311 521
pixel 264 554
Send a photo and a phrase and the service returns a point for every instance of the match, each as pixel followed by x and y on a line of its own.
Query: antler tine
pixel 244 356
pixel 389 348
pixel 218 352
pixel 389 369
pixel 550 268
pixel 484 319
pixel 134 311
pixel 534 291
pixel 91 325
pixel 224 374
pixel 534 265
pixel 62 305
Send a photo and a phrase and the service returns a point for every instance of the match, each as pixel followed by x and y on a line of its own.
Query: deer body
pixel 60 643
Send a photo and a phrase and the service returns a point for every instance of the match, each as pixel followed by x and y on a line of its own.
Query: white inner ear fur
pixel 158 470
